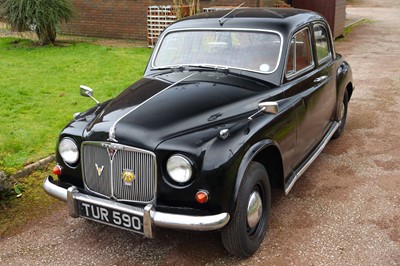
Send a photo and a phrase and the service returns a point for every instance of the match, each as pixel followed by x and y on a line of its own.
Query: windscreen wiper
pixel 172 68
pixel 181 68
pixel 209 67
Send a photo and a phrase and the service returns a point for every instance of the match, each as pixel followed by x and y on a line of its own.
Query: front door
pixel 307 84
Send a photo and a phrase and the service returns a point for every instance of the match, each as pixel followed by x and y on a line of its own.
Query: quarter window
pixel 321 43
pixel 300 56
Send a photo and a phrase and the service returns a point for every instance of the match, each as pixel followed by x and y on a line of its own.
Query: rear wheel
pixel 342 115
pixel 246 229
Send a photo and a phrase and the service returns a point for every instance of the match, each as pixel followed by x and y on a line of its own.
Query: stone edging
pixel 29 169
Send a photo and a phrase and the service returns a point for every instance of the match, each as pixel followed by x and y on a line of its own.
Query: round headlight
pixel 179 168
pixel 68 151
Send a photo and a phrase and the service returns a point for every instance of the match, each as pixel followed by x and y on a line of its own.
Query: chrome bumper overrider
pixel 151 217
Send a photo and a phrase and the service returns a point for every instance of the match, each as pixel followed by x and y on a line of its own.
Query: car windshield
pixel 257 51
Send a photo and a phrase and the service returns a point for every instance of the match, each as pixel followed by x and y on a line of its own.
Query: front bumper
pixel 151 217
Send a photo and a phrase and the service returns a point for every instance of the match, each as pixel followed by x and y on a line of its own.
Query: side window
pixel 321 43
pixel 300 55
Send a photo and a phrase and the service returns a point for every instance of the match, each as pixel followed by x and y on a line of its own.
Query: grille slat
pixel 126 159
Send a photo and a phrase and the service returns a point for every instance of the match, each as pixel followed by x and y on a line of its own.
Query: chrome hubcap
pixel 254 209
pixel 341 114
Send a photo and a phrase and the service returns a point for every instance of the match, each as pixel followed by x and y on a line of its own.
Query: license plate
pixel 110 216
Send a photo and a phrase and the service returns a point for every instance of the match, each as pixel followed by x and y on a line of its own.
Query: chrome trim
pixel 254 209
pixel 314 156
pixel 329 36
pixel 111 133
pixel 147 221
pixel 322 78
pixel 88 92
pixel 151 217
pixel 224 133
pixel 120 147
pixel 193 223
pixel 153 67
pixel 325 24
pixel 72 207
pixel 53 190
pixel 307 68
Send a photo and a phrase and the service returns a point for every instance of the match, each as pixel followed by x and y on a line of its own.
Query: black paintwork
pixel 187 117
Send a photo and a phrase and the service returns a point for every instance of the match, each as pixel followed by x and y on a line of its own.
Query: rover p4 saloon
pixel 232 104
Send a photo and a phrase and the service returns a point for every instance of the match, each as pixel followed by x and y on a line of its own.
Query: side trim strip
pixel 314 156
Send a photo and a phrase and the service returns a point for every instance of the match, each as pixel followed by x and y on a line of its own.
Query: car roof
pixel 284 20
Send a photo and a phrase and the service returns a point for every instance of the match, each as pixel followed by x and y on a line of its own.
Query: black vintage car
pixel 231 104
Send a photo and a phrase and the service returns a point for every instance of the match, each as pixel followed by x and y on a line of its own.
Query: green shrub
pixel 42 16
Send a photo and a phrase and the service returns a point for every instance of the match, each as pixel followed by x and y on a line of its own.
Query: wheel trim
pixel 342 110
pixel 254 209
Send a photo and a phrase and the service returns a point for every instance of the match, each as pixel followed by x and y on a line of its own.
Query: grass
pixel 40 91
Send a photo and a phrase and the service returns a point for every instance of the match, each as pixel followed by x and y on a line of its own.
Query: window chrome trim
pixel 324 60
pixel 156 49
pixel 306 69
pixel 328 38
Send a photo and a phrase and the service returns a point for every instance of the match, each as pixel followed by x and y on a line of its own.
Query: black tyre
pixel 246 229
pixel 342 115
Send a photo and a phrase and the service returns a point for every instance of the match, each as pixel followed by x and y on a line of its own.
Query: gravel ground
pixel 343 211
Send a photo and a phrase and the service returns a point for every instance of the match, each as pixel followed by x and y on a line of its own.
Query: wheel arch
pixel 350 88
pixel 268 154
pixel 270 157
pixel 344 83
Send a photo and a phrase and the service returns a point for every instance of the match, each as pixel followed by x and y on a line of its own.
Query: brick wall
pixel 125 19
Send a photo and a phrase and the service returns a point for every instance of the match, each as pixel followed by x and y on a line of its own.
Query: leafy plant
pixel 41 16
pixel 18 190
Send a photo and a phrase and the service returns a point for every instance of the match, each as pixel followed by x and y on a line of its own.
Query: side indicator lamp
pixel 202 196
pixel 57 170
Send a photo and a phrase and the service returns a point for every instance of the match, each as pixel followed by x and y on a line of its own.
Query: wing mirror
pixel 88 92
pixel 266 108
pixel 269 107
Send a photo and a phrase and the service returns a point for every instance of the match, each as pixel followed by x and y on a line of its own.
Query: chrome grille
pixel 92 156
pixel 117 159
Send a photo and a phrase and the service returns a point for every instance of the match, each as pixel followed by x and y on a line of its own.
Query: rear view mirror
pixel 269 107
pixel 88 92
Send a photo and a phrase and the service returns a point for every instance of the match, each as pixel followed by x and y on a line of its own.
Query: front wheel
pixel 342 115
pixel 246 229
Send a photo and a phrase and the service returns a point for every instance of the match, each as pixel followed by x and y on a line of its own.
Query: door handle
pixel 320 79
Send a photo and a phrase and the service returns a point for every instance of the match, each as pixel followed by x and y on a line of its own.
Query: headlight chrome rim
pixel 179 168
pixel 68 150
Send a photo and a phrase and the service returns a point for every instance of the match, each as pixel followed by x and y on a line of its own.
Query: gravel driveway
pixel 345 210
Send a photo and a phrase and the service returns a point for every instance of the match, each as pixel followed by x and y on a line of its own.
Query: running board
pixel 296 175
